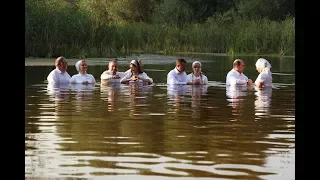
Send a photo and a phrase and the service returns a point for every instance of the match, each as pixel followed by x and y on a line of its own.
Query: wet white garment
pixel 80 78
pixel 236 78
pixel 141 75
pixel 107 75
pixel 176 77
pixel 203 79
pixel 57 77
pixel 265 78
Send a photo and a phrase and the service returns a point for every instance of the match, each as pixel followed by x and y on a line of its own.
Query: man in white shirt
pixel 178 74
pixel 59 76
pixel 235 76
pixel 112 75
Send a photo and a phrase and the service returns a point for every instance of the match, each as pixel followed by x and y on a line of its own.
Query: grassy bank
pixel 51 32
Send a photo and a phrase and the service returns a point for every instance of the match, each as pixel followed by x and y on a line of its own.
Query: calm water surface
pixel 159 131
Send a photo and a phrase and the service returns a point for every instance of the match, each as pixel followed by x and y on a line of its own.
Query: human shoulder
pixel 190 75
pixel 75 75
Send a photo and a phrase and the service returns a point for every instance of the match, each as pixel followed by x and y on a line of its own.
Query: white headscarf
pixel 196 62
pixel 263 64
pixel 78 65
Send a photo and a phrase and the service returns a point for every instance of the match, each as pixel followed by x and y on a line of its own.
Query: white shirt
pixel 80 78
pixel 236 78
pixel 265 77
pixel 107 75
pixel 58 77
pixel 203 79
pixel 176 77
pixel 141 75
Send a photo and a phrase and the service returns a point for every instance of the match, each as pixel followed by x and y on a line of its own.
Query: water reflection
pixel 263 101
pixel 150 132
pixel 177 93
pixel 138 95
pixel 197 93
pixel 235 97
pixel 110 93
pixel 58 91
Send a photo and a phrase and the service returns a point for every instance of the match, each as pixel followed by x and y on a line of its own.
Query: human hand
pixel 249 82
pixel 134 78
pixel 115 76
pixel 196 82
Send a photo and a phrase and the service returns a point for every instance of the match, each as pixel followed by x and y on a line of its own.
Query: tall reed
pixel 52 31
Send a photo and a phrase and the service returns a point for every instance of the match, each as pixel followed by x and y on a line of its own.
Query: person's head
pixel 262 65
pixel 61 64
pixel 82 66
pixel 196 67
pixel 181 64
pixel 238 65
pixel 113 66
pixel 135 66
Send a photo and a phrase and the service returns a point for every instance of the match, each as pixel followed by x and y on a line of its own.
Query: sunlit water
pixel 159 131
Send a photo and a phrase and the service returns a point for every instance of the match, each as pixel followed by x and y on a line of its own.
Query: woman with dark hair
pixel 136 74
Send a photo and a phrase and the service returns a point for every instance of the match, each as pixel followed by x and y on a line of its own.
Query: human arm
pixel 204 79
pixel 52 77
pixel 106 76
pixel 144 77
pixel 236 79
pixel 128 77
pixel 259 83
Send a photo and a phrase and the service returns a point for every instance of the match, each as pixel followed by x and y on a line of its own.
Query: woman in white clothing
pixel 264 78
pixel 197 77
pixel 82 77
pixel 136 74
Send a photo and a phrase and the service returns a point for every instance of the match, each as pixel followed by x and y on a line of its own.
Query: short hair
pixel 237 62
pixel 114 61
pixel 60 60
pixel 180 60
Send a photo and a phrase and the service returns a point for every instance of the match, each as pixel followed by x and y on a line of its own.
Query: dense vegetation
pixel 102 28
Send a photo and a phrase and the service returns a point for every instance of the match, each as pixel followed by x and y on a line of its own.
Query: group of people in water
pixel 176 76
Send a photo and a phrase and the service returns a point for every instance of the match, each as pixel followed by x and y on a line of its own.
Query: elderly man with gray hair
pixel 59 75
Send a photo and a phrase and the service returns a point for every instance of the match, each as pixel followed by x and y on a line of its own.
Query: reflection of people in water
pixel 83 91
pixel 83 94
pixel 138 95
pixel 263 100
pixel 197 92
pixel 235 96
pixel 58 91
pixel 177 92
pixel 110 94
pixel 82 77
